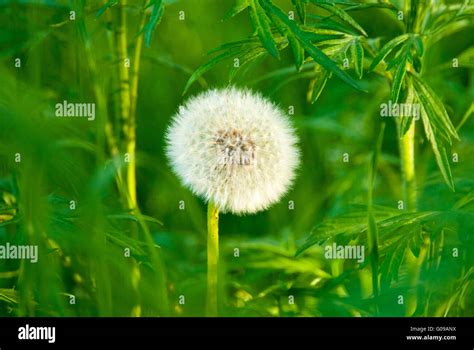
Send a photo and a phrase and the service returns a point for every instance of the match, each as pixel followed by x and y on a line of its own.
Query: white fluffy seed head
pixel 234 148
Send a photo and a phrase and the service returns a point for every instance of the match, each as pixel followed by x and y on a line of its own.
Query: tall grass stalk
pixel 406 144
pixel 212 258
pixel 127 123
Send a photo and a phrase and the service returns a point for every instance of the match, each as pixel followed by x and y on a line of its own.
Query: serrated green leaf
pixel 434 103
pixel 238 7
pixel 341 14
pixel 398 80
pixel 392 262
pixel 357 52
pixel 312 50
pixel 261 24
pixel 439 149
pixel 442 157
pixel 387 48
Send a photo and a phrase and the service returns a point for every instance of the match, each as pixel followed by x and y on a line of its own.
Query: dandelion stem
pixel 212 258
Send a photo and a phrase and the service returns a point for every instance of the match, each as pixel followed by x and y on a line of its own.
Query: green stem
pixel 407 154
pixel 415 265
pixel 407 160
pixel 212 258
pixel 128 124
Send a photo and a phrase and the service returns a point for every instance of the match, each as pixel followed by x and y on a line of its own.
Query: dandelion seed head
pixel 234 148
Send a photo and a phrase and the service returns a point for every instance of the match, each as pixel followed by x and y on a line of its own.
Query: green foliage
pixel 155 18
pixel 263 13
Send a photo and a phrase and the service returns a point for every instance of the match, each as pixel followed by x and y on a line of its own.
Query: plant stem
pixel 128 124
pixel 415 265
pixel 136 67
pixel 212 258
pixel 407 159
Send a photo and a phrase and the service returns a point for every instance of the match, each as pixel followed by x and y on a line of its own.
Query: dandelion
pixel 237 151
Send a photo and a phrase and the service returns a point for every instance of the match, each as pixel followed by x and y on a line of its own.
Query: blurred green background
pixel 82 268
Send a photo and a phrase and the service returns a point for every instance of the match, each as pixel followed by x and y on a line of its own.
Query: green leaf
pixel 398 80
pixel 261 24
pixel 357 7
pixel 329 24
pixel 357 52
pixel 418 45
pixel 386 49
pixel 397 60
pixel 245 59
pixel 238 7
pixel 318 84
pixel 439 149
pixel 298 51
pixel 104 8
pixel 155 18
pixel 406 120
pixel 341 14
pixel 466 116
pixel 435 105
pixel 246 51
pixel 442 158
pixel 205 67
pixel 324 39
pixel 9 296
pixel 300 8
pixel 312 50
pixel 392 262
pixel 238 46
pixel 416 242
